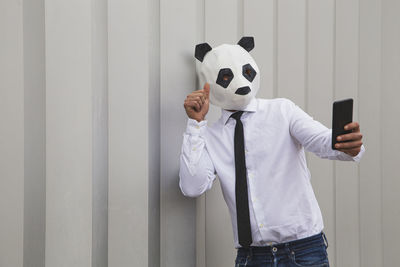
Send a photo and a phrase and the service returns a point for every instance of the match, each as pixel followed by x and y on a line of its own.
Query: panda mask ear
pixel 201 50
pixel 247 43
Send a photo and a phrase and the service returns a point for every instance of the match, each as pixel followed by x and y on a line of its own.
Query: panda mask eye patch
pixel 248 72
pixel 225 76
pixel 231 72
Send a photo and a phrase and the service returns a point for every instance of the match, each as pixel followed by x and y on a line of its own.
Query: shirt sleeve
pixel 196 171
pixel 314 136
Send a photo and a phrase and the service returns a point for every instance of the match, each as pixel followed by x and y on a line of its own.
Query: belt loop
pixel 250 253
pixel 326 240
pixel 287 248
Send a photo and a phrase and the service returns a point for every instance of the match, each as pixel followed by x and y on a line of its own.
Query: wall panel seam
pixel 381 36
pixel 306 58
pixel 240 21
pixel 358 115
pixel 275 20
pixel 205 195
pixel 334 163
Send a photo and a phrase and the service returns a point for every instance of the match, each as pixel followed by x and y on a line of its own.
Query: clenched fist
pixel 197 103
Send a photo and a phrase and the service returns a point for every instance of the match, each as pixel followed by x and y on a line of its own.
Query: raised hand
pixel 197 103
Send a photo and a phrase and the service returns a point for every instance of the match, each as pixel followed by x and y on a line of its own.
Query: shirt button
pixel 254 199
pixel 194 149
pixel 261 225
pixel 197 127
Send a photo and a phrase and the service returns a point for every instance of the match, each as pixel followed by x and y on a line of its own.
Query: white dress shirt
pixel 282 203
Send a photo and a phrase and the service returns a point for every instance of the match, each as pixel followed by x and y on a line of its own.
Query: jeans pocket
pixel 240 261
pixel 311 257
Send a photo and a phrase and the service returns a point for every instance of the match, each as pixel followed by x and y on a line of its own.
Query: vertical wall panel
pixel 154 132
pixel 100 134
pixel 371 249
pixel 222 22
pixel 347 179
pixel 11 134
pixel 320 24
pixel 128 40
pixel 291 50
pixel 201 231
pixel 259 22
pixel 390 160
pixel 177 69
pixel 68 133
pixel 34 136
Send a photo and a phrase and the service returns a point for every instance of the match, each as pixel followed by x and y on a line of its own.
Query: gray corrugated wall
pixel 132 120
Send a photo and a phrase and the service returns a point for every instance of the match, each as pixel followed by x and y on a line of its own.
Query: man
pixel 257 150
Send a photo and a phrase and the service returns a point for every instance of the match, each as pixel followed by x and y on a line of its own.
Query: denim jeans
pixel 310 252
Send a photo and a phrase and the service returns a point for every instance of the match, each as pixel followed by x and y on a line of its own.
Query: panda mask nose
pixel 243 90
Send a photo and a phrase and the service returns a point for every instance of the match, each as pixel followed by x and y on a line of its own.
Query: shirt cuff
pixel 359 155
pixel 195 128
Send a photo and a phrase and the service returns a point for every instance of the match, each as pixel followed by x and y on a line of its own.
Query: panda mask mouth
pixel 231 71
pixel 243 90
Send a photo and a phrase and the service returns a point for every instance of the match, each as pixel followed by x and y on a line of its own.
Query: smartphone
pixel 342 115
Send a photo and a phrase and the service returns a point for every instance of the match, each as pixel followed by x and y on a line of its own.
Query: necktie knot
pixel 237 115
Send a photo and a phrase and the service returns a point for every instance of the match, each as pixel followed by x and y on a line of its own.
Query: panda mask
pixel 231 71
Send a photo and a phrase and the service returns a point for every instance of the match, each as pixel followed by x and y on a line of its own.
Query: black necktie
pixel 242 203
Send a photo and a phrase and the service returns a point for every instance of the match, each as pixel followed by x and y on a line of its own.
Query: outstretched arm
pixel 316 138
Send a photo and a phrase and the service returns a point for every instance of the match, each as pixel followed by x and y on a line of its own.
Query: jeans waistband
pixel 299 244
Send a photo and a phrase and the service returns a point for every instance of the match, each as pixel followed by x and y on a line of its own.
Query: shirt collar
pixel 251 107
